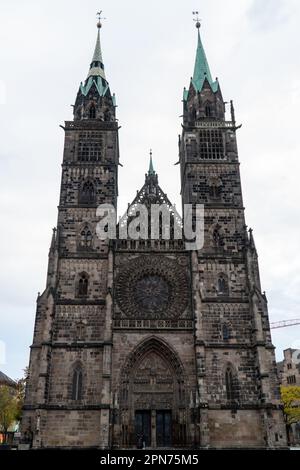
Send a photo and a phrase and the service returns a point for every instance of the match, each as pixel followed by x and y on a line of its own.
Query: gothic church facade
pixel 143 342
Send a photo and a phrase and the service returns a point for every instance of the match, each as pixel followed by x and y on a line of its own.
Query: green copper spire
pixel 151 168
pixel 201 69
pixel 96 73
pixel 97 67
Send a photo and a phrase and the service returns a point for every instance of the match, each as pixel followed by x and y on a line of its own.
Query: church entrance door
pixel 152 398
pixel 143 428
pixel 163 428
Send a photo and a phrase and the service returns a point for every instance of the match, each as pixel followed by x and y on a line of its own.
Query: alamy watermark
pixel 154 222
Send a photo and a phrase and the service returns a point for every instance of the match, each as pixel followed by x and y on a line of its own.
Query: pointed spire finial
pixel 99 24
pixel 97 66
pixel 232 112
pixel 201 69
pixel 251 239
pixel 151 168
pixel 197 19
pixel 53 240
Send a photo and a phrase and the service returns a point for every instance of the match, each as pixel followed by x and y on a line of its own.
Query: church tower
pixel 142 341
pixel 236 370
pixel 68 394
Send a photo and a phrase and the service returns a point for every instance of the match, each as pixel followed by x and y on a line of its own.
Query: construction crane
pixel 284 323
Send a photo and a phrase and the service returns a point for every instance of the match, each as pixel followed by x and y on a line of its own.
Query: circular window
pixel 152 287
pixel 152 293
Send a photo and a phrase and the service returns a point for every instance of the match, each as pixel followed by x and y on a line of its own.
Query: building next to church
pixel 145 342
pixel 289 376
pixel 289 368
pixel 7 381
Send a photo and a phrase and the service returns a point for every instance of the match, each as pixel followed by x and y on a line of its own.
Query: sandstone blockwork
pixel 143 342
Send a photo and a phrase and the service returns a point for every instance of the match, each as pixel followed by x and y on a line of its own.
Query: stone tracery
pixel 152 287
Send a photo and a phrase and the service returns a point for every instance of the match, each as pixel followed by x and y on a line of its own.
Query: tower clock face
pixel 152 287
pixel 152 292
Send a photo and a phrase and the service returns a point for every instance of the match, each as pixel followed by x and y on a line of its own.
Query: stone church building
pixel 144 342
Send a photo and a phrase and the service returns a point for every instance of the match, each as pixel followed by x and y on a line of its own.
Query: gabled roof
pixel 5 380
pixel 151 193
pixel 101 85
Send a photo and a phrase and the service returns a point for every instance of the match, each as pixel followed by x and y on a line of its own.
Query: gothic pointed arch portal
pixel 153 402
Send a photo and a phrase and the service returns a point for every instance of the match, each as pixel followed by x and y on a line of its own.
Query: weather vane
pixel 197 19
pixel 99 13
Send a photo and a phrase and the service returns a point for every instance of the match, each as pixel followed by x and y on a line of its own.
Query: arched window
pixel 215 192
pixel 192 114
pixel 77 383
pixel 225 332
pixel 82 286
pixel 215 188
pixel 217 238
pixel 87 195
pixel 86 237
pixel 107 115
pixel 207 110
pixel 222 285
pixel 231 384
pixel 92 112
pixel 80 331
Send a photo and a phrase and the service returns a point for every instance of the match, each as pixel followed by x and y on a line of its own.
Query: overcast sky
pixel 148 49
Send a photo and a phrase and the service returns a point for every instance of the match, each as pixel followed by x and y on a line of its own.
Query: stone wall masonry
pixel 77 323
pixel 71 222
pixel 104 179
pixel 74 428
pixel 244 365
pixel 69 271
pixel 236 317
pixel 200 178
pixel 63 361
pixel 242 428
pixel 236 278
